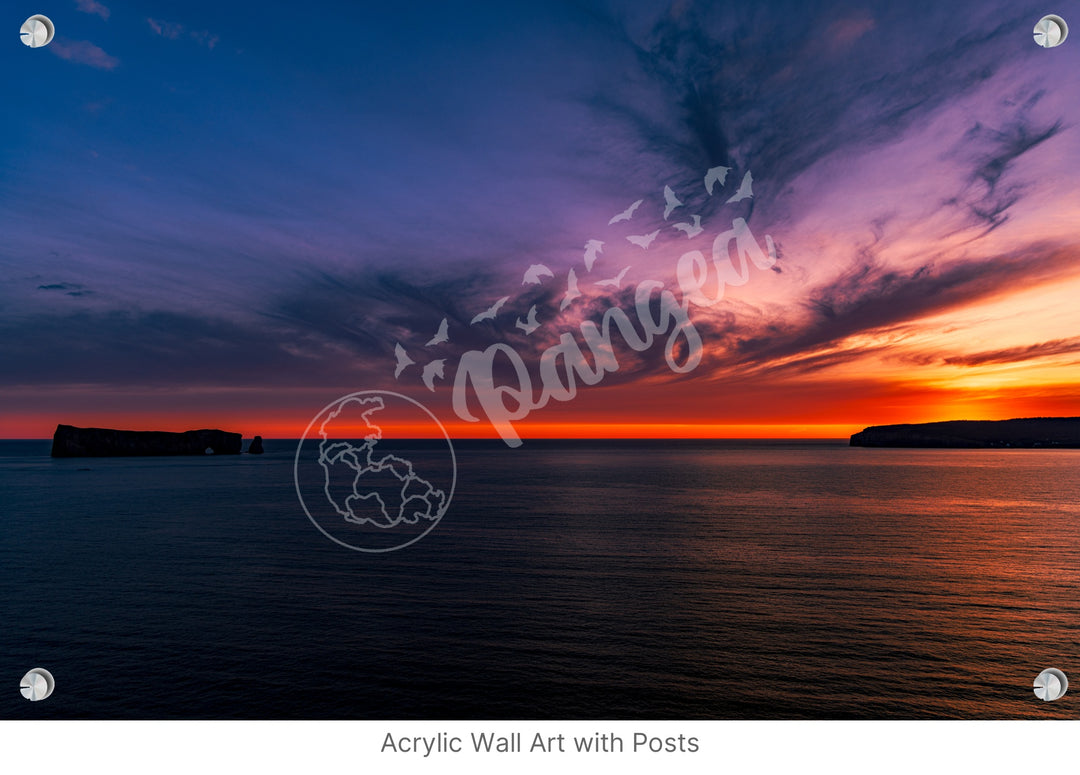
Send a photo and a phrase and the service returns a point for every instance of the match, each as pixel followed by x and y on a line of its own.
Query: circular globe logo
pixel 375 471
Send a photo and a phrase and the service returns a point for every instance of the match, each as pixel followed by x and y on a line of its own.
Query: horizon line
pixel 537 438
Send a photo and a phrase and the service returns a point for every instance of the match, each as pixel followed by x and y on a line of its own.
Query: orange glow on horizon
pixel 284 429
pixel 534 430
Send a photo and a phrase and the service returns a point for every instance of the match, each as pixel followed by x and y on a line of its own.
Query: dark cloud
pixel 69 289
pixel 59 287
pixel 992 152
pixel 1014 354
pixel 326 327
pixel 370 312
pixel 779 87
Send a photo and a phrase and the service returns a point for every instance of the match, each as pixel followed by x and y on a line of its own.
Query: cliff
pixel 69 441
pixel 1063 432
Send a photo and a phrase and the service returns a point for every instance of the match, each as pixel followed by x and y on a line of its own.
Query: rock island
pixel 69 441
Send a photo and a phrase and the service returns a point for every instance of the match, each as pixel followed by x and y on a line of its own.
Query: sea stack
pixel 69 441
pixel 256 447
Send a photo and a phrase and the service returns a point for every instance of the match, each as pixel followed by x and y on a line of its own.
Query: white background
pixel 328 748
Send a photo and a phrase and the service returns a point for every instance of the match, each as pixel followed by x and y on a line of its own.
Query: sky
pixel 231 214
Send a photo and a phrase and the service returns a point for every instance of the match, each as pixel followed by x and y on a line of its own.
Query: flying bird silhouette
pixel 530 324
pixel 745 191
pixel 670 201
pixel 490 312
pixel 626 214
pixel 714 176
pixel 691 229
pixel 572 291
pixel 643 240
pixel 442 335
pixel 616 281
pixel 431 371
pixel 593 248
pixel 534 273
pixel 403 360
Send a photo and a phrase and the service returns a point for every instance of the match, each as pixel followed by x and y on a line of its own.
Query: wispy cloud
pixel 71 289
pixel 986 197
pixel 699 94
pixel 170 30
pixel 205 38
pixel 175 30
pixel 873 312
pixel 161 347
pixel 94 7
pixel 844 32
pixel 1014 354
pixel 84 53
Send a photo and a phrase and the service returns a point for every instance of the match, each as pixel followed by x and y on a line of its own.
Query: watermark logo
pixel 369 490
pixel 498 384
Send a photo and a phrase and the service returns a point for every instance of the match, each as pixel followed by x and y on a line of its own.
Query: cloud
pixel 844 32
pixel 174 30
pixel 71 289
pixel 992 153
pixel 205 38
pixel 707 88
pixel 84 53
pixel 1014 354
pixel 869 297
pixel 146 348
pixel 170 30
pixel 94 7
pixel 366 313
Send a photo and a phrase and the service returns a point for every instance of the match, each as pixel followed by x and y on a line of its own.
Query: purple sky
pixel 218 212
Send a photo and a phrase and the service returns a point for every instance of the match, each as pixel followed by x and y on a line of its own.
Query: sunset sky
pixel 228 214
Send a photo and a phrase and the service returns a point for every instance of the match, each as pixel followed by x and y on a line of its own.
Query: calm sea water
pixel 568 580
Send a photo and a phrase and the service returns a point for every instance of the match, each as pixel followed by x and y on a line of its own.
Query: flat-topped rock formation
pixel 69 441
pixel 1062 432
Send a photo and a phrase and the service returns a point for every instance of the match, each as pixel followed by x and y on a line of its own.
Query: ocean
pixel 580 580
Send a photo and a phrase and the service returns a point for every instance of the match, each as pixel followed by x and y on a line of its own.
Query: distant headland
pixel 1059 432
pixel 69 441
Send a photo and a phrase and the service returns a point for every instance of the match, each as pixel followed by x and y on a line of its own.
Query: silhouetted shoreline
pixel 1026 433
